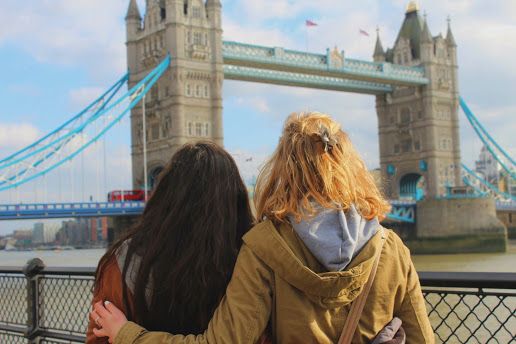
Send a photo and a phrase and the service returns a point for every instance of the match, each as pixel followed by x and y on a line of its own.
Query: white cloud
pixel 258 103
pixel 17 135
pixel 87 33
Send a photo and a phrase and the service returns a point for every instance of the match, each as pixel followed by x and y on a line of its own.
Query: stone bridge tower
pixel 419 126
pixel 186 103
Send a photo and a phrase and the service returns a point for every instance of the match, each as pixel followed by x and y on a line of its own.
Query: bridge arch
pixel 412 185
pixel 153 176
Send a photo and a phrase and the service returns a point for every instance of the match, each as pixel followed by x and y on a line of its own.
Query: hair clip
pixel 327 141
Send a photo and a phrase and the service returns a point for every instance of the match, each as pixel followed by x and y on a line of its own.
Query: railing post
pixel 31 271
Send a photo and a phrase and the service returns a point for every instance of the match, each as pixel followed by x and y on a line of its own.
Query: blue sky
pixel 57 55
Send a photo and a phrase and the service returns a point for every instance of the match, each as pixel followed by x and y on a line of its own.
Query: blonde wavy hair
pixel 315 161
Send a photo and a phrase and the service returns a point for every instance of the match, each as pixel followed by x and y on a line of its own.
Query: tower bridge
pixel 178 61
pixel 415 83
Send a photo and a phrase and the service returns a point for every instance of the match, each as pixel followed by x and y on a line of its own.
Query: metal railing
pixel 51 305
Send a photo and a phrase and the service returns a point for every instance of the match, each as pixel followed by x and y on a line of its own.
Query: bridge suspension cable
pixel 77 134
pixel 497 152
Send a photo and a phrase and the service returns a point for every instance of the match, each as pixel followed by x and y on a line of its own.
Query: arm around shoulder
pixel 241 316
pixel 413 311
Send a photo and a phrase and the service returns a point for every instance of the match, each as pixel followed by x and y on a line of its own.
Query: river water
pixel 493 262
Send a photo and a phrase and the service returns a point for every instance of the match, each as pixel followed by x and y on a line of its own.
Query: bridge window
pixel 198 129
pixel 396 148
pixel 406 145
pixel 198 91
pixel 206 129
pixel 206 91
pixel 166 126
pixel 417 145
pixel 190 129
pixel 197 38
pixel 205 39
pixel 185 8
pixel 196 12
pixel 155 131
pixel 405 115
pixel 188 90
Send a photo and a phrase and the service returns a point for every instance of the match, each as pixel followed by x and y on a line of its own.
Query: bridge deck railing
pixel 52 304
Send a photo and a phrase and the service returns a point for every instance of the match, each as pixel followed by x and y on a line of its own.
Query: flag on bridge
pixel 310 23
pixel 363 32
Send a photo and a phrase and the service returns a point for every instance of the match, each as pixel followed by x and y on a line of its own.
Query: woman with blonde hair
pixel 319 268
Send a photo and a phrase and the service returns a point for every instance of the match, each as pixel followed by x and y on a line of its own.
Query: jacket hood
pixel 275 247
pixel 335 237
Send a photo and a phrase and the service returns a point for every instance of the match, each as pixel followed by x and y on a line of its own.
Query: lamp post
pixel 145 187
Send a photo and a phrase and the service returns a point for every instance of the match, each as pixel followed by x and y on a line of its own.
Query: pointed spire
pixel 449 35
pixel 426 35
pixel 133 12
pixel 213 2
pixel 378 48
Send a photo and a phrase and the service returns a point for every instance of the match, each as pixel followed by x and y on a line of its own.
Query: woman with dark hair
pixel 171 270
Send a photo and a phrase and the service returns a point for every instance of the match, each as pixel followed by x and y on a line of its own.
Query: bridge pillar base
pixel 462 225
pixel 118 226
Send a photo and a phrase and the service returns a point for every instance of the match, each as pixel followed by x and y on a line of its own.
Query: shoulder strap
pixel 358 304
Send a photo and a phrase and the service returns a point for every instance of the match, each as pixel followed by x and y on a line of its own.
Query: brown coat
pixel 277 277
pixel 111 290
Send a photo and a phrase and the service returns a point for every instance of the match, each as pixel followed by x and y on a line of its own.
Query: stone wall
pixel 458 226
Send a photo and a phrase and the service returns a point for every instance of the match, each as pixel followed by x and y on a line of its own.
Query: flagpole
pixel 306 38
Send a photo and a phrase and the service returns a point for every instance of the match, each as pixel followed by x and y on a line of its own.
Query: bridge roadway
pixel 401 210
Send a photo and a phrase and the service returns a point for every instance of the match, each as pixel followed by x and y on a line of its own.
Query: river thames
pixel 492 262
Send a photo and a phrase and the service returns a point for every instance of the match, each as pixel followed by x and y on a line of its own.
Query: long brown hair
pixel 315 161
pixel 188 239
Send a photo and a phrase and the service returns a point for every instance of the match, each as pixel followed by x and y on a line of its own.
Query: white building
pixel 44 233
pixel 487 166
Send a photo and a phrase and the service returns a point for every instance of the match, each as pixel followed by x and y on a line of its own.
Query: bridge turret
pixel 185 105
pixel 379 53
pixel 133 20
pixel 418 126
pixel 214 10
pixel 427 43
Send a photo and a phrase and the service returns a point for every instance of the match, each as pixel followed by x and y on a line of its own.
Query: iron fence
pixel 51 305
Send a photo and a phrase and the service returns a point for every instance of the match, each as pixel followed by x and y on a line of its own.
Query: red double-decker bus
pixel 126 195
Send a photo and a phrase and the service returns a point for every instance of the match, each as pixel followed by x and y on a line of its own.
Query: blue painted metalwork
pixel 481 131
pixel 409 186
pixel 18 173
pixel 285 60
pixel 68 131
pixel 69 210
pixel 506 205
pixel 401 211
pixel 110 92
pixel 484 182
pixel 303 80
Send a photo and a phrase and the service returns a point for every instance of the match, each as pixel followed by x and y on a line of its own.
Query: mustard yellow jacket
pixel 276 277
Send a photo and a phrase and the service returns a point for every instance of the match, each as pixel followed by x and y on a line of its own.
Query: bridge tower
pixel 186 103
pixel 419 126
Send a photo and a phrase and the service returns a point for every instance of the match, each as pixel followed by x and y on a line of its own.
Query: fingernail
pixel 107 302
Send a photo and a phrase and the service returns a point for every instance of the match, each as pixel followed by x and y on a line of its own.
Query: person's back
pixel 311 303
pixel 171 270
